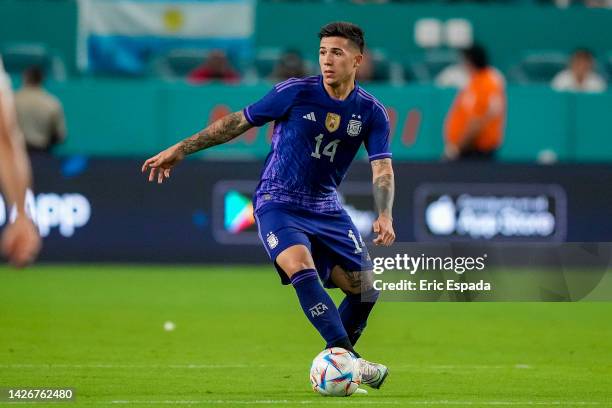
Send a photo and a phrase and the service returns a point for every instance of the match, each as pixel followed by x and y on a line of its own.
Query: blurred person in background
pixel 216 67
pixel 290 65
pixel 40 115
pixel 20 240
pixel 474 125
pixel 579 76
pixel 365 72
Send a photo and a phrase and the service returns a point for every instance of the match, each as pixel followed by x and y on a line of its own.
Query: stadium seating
pixel 178 63
pixel 538 66
pixel 19 56
pixel 385 69
pixel 426 67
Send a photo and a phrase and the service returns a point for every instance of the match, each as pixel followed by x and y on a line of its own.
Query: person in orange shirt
pixel 474 125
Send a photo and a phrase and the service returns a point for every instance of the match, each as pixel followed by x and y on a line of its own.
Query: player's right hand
pixel 21 242
pixel 162 163
pixel 383 227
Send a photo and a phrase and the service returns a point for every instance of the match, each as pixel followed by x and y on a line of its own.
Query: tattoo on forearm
pixel 220 131
pixel 384 190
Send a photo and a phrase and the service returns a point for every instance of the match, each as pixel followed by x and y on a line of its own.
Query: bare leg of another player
pixel 20 240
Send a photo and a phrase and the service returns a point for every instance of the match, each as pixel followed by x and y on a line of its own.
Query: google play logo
pixel 238 212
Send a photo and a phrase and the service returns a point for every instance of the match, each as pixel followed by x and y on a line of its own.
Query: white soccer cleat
pixel 372 374
pixel 360 391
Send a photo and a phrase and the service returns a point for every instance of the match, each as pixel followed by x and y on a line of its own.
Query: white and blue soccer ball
pixel 335 373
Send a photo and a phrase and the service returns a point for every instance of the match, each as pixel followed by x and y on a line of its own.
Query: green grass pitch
pixel 241 340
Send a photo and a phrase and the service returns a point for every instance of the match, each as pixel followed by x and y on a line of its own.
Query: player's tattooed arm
pixel 384 186
pixel 384 192
pixel 219 132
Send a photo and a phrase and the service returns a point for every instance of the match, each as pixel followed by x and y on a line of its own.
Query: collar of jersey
pixel 348 99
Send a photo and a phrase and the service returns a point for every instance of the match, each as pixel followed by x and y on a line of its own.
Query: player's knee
pixel 349 282
pixel 366 293
pixel 370 295
pixel 293 267
pixel 295 259
pixel 349 290
pixel 366 288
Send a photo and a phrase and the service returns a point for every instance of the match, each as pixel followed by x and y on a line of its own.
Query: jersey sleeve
pixel 274 105
pixel 377 140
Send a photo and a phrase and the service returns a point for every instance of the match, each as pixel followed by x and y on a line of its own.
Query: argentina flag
pixel 122 36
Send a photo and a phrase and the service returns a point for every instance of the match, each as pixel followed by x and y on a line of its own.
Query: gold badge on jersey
pixel 332 122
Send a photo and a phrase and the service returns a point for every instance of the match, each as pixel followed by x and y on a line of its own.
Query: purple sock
pixel 354 311
pixel 319 308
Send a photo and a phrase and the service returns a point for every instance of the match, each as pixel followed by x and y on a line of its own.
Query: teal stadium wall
pixel 127 118
pixel 50 22
pixel 134 118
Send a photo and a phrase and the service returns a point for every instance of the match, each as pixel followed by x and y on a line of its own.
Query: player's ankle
pixel 344 343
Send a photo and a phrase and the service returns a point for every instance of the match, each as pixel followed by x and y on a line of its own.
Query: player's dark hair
pixel 346 30
pixel 34 75
pixel 476 55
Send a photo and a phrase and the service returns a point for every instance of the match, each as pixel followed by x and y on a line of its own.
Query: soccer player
pixel 20 240
pixel 320 123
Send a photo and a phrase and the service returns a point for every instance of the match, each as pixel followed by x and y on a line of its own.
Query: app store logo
pixel 441 216
pixel 473 211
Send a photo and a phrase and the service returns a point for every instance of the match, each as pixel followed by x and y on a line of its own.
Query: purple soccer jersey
pixel 315 139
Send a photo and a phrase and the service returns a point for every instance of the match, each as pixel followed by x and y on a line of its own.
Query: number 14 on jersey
pixel 329 149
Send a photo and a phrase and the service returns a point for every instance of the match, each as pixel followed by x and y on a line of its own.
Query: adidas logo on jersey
pixel 310 116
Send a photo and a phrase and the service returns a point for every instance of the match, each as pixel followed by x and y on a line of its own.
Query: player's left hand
pixel 21 242
pixel 162 163
pixel 383 227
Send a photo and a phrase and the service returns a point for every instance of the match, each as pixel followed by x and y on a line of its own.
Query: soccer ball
pixel 335 373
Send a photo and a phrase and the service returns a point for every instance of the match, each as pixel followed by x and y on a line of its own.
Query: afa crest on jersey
pixel 332 121
pixel 354 127
pixel 272 240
